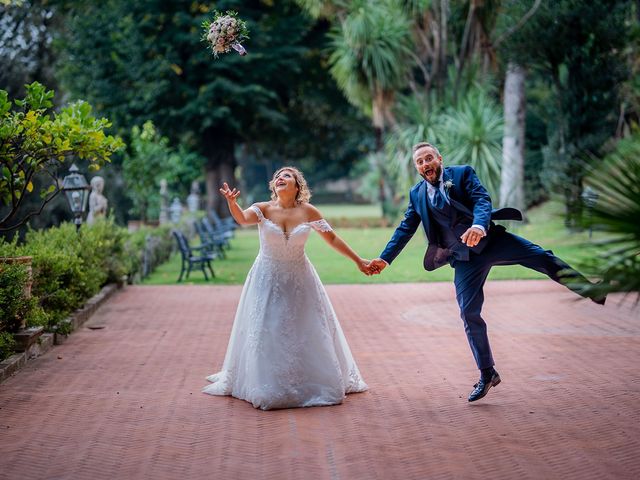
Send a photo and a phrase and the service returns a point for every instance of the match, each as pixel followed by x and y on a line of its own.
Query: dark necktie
pixel 438 200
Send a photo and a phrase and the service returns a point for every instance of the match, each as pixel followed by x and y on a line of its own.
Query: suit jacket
pixel 471 206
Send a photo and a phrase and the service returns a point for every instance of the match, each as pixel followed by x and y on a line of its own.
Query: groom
pixel 455 212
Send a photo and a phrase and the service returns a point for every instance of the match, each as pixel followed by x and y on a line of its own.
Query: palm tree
pixel 422 120
pixel 371 59
pixel 472 135
pixel 616 180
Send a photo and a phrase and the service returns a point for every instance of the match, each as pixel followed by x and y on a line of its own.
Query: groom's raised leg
pixel 526 253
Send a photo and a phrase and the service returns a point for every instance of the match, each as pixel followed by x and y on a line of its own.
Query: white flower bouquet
pixel 225 32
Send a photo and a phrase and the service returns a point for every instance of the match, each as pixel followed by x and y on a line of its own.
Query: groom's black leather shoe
pixel 482 387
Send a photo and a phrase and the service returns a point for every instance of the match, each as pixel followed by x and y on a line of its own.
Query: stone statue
pixel 98 203
pixel 164 202
pixel 175 210
pixel 193 200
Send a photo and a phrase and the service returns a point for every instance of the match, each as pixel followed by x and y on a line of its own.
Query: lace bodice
pixel 275 243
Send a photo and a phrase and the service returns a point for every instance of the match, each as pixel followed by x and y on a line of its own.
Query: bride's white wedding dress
pixel 287 348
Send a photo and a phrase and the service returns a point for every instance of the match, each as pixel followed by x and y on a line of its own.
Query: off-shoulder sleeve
pixel 321 225
pixel 256 209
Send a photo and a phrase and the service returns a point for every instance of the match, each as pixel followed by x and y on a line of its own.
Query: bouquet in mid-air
pixel 225 32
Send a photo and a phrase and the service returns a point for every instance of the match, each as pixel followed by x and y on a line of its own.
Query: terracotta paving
pixel 124 401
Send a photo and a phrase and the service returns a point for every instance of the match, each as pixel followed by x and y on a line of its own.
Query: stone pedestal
pixel 28 340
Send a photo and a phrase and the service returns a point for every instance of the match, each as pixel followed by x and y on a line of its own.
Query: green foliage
pixel 147 248
pixel 575 47
pixel 472 135
pixel 421 121
pixel 103 245
pixel 369 172
pixel 144 60
pixel 13 305
pixel 469 134
pixel 35 140
pixel 61 278
pixel 7 345
pixel 630 89
pixel 321 8
pixel 139 61
pixel 371 50
pixel 35 316
pixel 149 159
pixel 617 212
pixel 69 267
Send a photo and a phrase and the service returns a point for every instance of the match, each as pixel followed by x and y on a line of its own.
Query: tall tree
pixel 513 140
pixel 476 37
pixel 512 171
pixel 144 60
pixel 26 44
pixel 370 60
pixel 576 47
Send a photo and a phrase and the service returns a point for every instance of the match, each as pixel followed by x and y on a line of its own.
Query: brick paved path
pixel 124 401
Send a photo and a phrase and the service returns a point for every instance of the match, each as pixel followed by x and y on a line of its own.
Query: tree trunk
pixel 219 168
pixel 512 181
pixel 378 127
pixel 442 73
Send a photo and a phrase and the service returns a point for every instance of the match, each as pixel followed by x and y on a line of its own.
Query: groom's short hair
pixel 420 145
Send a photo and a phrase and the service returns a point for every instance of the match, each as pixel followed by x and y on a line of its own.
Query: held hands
pixel 371 267
pixel 363 266
pixel 472 236
pixel 230 195
pixel 376 266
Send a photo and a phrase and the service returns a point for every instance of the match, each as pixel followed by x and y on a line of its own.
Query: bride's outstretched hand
pixel 363 266
pixel 230 195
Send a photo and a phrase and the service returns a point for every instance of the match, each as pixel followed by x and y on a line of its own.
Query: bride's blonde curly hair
pixel 303 195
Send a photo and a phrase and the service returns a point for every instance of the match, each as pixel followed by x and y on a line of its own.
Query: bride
pixel 287 348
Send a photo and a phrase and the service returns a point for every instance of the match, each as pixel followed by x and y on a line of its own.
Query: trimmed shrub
pixel 13 305
pixel 7 345
pixel 71 266
pixel 146 249
pixel 61 279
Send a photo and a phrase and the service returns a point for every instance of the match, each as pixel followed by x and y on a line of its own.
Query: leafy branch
pixel 35 140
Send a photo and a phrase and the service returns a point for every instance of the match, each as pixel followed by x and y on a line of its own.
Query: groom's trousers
pixel 503 248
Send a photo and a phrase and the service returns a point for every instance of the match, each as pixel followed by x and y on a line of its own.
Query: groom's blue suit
pixel 468 203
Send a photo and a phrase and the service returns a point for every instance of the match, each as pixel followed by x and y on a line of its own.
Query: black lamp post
pixel 76 190
pixel 590 199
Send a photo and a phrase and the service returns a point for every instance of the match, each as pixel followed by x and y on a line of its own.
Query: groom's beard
pixel 436 178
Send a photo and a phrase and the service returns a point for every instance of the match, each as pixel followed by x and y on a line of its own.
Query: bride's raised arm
pixel 243 217
pixel 315 219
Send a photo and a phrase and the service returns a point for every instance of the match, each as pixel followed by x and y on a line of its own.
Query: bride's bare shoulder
pixel 311 212
pixel 262 205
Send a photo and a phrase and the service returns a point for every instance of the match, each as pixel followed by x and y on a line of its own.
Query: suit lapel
pixel 458 206
pixel 446 176
pixel 422 205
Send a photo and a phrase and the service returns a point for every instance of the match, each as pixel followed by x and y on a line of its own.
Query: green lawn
pixel 336 211
pixel 545 228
